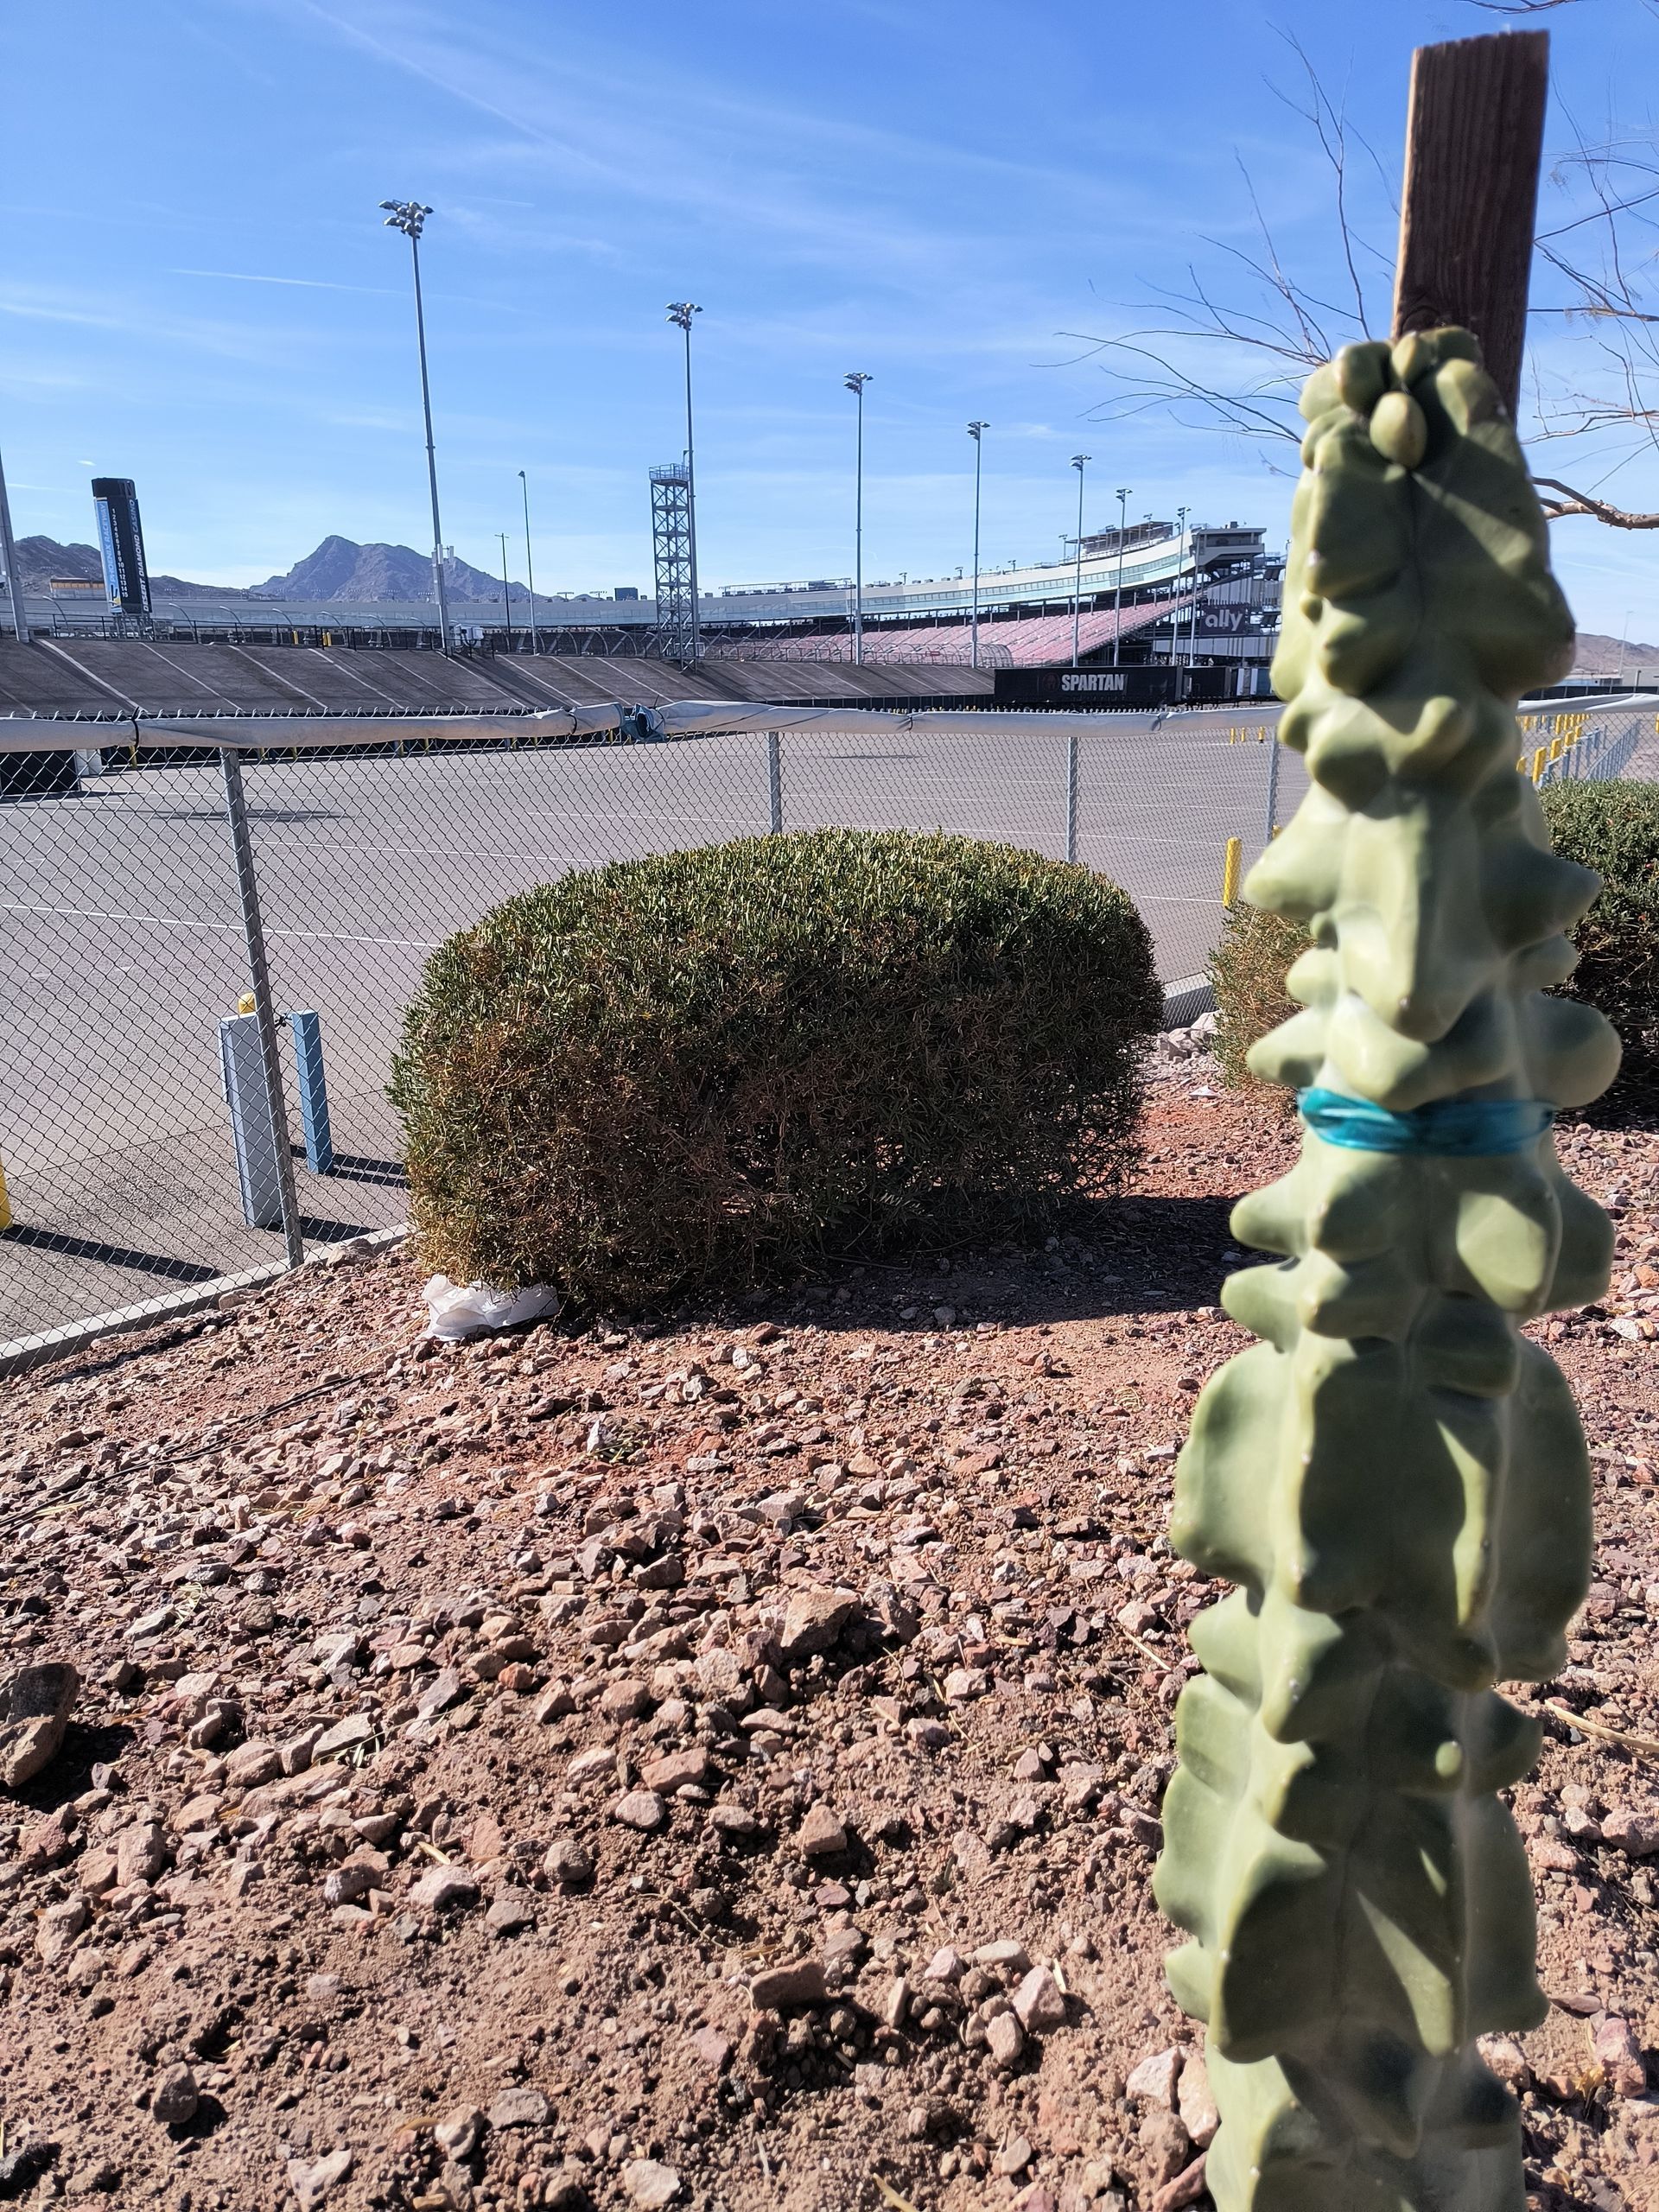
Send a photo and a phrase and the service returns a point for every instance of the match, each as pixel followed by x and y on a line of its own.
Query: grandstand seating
pixel 113 678
pixel 1033 641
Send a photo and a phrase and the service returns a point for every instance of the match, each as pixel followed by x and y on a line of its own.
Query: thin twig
pixel 1644 1745
pixel 891 2195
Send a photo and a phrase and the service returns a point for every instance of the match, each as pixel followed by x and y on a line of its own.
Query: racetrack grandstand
pixel 1156 580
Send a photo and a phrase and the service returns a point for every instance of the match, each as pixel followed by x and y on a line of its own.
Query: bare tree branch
pixel 1570 502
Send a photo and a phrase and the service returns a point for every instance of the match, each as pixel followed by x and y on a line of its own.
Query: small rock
pixel 1186 2188
pixel 1013 2157
pixel 1153 2079
pixel 1040 2002
pixel 311 2184
pixel 520 2108
pixel 642 1809
pixel 650 2184
pixel 568 1862
pixel 626 1701
pixel 734 1820
pixel 712 2049
pixel 457 2133
pixel 821 1834
pixel 347 1883
pixel 441 1887
pixel 800 1982
pixel 1005 1956
pixel 1165 2146
pixel 1195 2101
pixel 58 1927
pixel 249 1765
pixel 676 1771
pixel 175 2097
pixel 1619 2056
pixel 141 1852
pixel 511 1911
pixel 1637 1834
pixel 1507 2060
pixel 812 1621
pixel 34 1707
pixel 97 2178
pixel 1005 2039
pixel 445 1688
pixel 356 1728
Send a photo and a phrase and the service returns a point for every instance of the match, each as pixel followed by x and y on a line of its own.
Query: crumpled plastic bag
pixel 472 1309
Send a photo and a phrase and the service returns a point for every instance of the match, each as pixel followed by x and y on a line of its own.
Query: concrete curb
pixel 23 1352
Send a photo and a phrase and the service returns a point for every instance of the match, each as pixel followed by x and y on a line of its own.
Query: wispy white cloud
pixel 304 284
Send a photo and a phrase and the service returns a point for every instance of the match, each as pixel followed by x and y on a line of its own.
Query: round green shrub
pixel 1614 829
pixel 1247 973
pixel 698 1070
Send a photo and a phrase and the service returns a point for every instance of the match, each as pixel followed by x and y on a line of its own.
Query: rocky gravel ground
pixel 714 1762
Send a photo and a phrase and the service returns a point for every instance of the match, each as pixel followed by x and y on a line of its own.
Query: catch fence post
pixel 1271 826
pixel 775 780
pixel 1072 797
pixel 247 885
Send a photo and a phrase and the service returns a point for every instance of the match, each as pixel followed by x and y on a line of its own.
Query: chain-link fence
pixel 204 918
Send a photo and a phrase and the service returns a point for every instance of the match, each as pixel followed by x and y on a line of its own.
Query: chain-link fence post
pixel 1072 797
pixel 775 779
pixel 236 815
pixel 1272 825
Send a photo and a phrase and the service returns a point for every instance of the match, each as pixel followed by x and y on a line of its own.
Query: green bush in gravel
pixel 1247 973
pixel 701 1070
pixel 1614 829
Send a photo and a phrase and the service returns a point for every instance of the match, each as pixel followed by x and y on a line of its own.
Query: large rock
pixel 35 1707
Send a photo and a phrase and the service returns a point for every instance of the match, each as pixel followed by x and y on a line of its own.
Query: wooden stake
pixel 1474 141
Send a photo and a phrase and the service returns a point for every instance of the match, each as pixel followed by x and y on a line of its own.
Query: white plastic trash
pixel 471 1309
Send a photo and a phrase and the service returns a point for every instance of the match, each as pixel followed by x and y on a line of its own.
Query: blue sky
pixel 196 291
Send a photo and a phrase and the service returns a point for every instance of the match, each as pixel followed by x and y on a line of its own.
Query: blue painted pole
pixel 314 1093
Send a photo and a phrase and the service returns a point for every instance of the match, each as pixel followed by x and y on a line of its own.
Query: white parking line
pixel 220 929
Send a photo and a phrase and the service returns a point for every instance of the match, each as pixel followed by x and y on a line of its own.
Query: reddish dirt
pixel 534 1583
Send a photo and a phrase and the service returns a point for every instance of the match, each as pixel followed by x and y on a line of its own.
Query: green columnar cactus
pixel 1393 1477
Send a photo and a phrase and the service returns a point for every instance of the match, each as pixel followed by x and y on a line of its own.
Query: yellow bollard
pixel 5 1202
pixel 245 1003
pixel 1232 862
pixel 1558 746
pixel 1538 759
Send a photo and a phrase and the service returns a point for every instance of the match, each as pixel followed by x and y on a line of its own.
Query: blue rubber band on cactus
pixel 1446 1128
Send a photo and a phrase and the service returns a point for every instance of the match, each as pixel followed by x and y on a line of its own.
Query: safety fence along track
pixel 209 926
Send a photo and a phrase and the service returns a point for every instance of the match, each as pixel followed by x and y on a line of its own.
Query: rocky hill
pixel 41 559
pixel 341 569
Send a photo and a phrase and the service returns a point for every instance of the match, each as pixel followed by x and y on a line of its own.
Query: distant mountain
pixel 1600 656
pixel 339 569
pixel 41 559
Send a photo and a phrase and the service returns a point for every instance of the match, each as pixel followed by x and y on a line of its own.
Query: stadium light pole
pixel 854 380
pixel 975 430
pixel 409 216
pixel 1117 596
pixel 530 563
pixel 507 589
pixel 9 555
pixel 1079 462
pixel 680 313
pixel 1181 514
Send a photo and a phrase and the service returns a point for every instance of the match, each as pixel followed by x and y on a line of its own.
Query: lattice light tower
pixel 670 543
